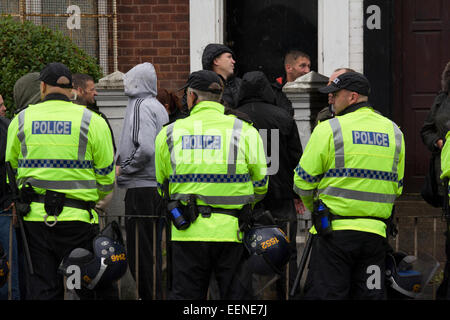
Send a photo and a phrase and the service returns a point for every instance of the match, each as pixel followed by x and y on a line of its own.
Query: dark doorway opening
pixel 260 32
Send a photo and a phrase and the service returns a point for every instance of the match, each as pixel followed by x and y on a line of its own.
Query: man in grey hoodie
pixel 144 118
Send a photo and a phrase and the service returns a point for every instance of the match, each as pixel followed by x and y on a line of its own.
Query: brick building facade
pixel 155 31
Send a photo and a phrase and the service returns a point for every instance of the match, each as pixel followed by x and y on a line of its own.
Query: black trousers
pixel 194 262
pixel 144 202
pixel 48 246
pixel 347 265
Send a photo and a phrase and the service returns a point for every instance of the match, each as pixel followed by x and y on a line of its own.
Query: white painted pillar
pixel 340 35
pixel 206 20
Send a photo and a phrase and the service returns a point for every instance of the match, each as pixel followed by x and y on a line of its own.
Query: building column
pixel 340 35
pixel 206 21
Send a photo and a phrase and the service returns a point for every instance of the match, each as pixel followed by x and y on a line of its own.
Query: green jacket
pixel 60 146
pixel 355 163
pixel 216 157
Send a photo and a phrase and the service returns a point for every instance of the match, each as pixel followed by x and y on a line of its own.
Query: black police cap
pixel 205 80
pixel 56 74
pixel 352 81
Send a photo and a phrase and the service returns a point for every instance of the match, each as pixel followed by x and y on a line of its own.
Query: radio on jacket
pixel 322 219
pixel 176 215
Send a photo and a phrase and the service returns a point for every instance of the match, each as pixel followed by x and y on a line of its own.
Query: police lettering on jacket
pixel 201 142
pixel 52 127
pixel 371 138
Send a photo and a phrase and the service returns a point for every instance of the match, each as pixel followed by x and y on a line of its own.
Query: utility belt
pixel 183 215
pixel 322 218
pixel 54 203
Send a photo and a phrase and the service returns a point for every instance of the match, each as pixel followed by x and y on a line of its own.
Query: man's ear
pixel 354 97
pixel 288 67
pixel 214 62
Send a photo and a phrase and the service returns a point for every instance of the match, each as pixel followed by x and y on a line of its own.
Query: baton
pixel 302 264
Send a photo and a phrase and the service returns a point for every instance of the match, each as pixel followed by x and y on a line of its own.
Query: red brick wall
pixel 155 31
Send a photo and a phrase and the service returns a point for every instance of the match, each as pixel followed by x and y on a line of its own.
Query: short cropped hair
pixel 346 69
pixel 79 80
pixel 206 95
pixel 293 55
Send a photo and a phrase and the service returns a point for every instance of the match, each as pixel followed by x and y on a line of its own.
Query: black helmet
pixel 269 249
pixel 4 267
pixel 408 274
pixel 107 262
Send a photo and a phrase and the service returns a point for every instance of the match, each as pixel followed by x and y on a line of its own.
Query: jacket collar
pixel 207 105
pixel 356 106
pixel 56 96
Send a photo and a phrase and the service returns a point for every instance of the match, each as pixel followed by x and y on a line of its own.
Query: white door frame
pixel 340 32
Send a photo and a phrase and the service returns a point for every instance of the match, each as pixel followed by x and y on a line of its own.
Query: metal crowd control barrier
pixel 416 234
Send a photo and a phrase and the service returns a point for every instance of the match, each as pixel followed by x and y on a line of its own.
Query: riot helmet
pixel 407 275
pixel 268 248
pixel 107 262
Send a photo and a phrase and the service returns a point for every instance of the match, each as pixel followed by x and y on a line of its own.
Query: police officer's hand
pixel 118 171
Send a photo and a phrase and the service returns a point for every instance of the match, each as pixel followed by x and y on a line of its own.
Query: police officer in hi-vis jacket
pixel 212 168
pixel 349 176
pixel 63 157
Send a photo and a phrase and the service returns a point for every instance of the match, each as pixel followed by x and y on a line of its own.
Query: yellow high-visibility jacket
pixel 60 146
pixel 445 160
pixel 355 163
pixel 216 157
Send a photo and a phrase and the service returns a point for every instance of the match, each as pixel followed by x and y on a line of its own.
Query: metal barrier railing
pixel 409 239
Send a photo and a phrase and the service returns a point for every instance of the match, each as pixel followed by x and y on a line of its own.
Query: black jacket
pixel 435 124
pixel 435 127
pixel 231 92
pixel 257 100
pixel 281 99
pixel 5 196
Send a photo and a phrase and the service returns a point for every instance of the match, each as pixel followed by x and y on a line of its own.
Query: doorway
pixel 260 32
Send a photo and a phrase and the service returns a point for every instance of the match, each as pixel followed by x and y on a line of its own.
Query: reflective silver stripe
pixel 169 134
pixel 398 147
pixel 259 196
pixel 105 187
pixel 338 139
pixel 232 200
pixel 301 192
pixel 21 134
pixel 68 184
pixel 359 195
pixel 234 146
pixel 84 128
